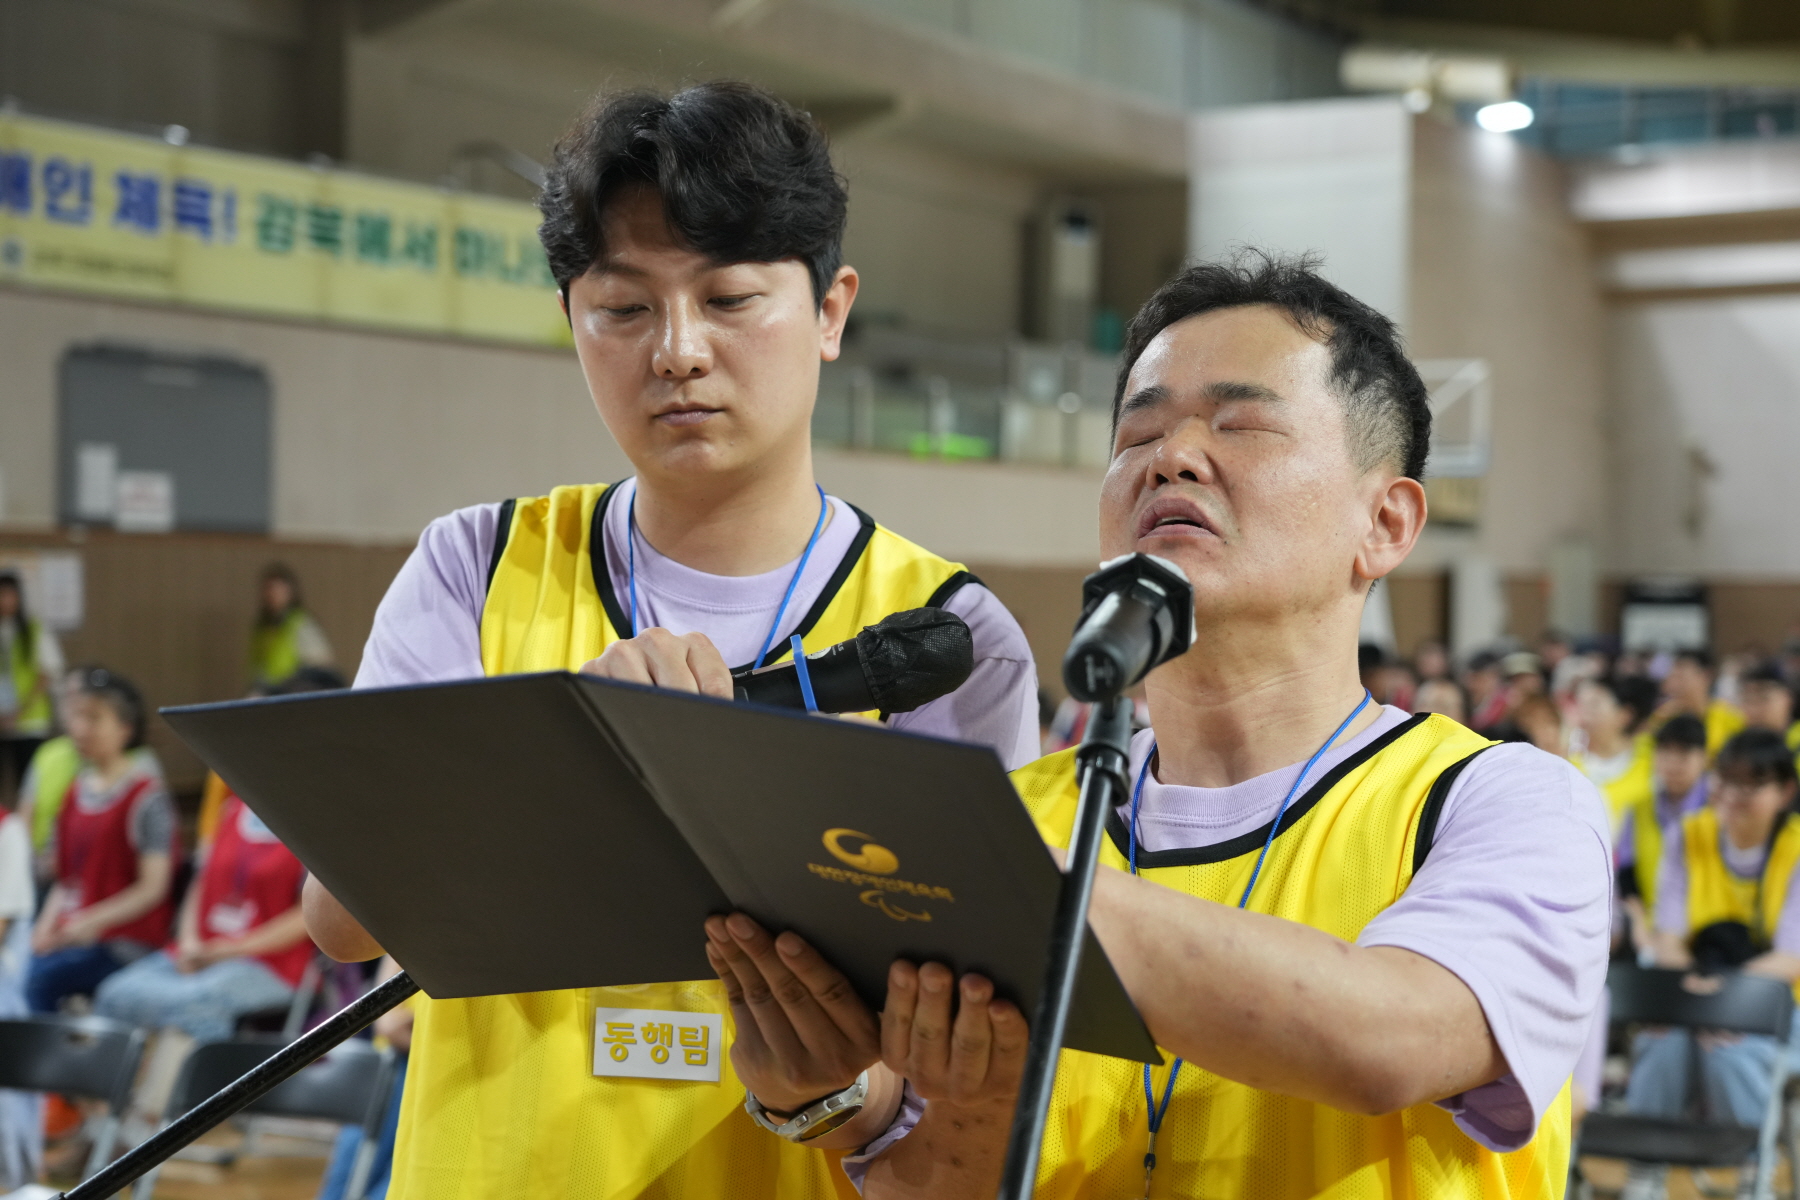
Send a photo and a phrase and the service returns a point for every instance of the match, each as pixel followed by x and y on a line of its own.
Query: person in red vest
pixel 241 947
pixel 114 851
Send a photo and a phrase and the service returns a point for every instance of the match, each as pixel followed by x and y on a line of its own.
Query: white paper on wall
pixel 96 480
pixel 146 502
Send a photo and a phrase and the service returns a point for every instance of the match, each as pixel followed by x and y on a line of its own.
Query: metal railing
pixel 1014 401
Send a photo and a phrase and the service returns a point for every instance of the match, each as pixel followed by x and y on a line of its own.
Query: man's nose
pixel 683 350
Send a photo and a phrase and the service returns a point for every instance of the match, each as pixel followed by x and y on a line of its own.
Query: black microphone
pixel 895 665
pixel 1137 613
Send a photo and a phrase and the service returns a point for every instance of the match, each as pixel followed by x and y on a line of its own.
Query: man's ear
pixel 1396 518
pixel 562 298
pixel 834 311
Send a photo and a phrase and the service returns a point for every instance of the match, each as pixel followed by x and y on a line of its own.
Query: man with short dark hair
pixel 1688 688
pixel 696 242
pixel 1768 702
pixel 1371 944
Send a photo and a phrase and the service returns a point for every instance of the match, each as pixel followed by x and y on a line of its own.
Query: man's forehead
pixel 1233 349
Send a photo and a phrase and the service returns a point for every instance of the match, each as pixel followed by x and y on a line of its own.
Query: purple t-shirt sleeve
pixel 1515 899
pixel 428 626
pixel 1671 915
pixel 998 705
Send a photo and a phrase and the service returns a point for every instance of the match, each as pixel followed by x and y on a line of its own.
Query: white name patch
pixel 654 1043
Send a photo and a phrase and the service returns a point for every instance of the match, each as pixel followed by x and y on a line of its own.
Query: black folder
pixel 536 832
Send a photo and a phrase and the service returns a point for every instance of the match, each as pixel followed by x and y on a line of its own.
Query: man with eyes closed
pixel 1370 943
pixel 696 239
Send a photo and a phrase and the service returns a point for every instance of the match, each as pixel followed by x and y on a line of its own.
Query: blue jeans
pixel 336 1185
pixel 76 971
pixel 205 1005
pixel 1734 1075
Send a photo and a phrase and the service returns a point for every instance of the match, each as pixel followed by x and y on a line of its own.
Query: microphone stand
pixel 1101 763
pixel 286 1062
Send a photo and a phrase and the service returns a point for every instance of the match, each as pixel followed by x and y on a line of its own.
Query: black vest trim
pixel 1247 843
pixel 621 621
pixel 1434 807
pixel 950 587
pixel 502 534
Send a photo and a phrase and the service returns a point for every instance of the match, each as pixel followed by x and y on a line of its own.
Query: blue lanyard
pixel 1156 1112
pixel 780 610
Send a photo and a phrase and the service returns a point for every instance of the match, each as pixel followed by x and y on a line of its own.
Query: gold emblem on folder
pixel 877 860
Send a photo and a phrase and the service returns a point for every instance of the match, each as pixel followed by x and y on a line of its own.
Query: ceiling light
pixel 1508 116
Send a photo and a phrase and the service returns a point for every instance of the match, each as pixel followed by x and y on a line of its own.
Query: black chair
pixel 350 1086
pixel 1741 1004
pixel 88 1057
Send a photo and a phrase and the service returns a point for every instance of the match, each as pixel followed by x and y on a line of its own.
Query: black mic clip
pixel 1137 613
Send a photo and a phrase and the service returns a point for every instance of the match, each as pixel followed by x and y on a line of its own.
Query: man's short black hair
pixel 1385 402
pixel 1756 757
pixel 1683 731
pixel 743 177
pixel 1637 696
pixel 1700 658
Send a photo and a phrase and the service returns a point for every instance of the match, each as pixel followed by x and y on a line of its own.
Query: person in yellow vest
pixel 1370 943
pixel 1768 702
pixel 1615 753
pixel 1726 902
pixel 285 637
pixel 31 662
pixel 1678 787
pixel 696 238
pixel 1688 688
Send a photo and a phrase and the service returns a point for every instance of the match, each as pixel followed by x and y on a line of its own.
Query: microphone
pixel 902 661
pixel 1137 613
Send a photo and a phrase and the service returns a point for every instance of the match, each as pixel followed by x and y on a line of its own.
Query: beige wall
pixel 373 434
pixel 377 434
pixel 1501 271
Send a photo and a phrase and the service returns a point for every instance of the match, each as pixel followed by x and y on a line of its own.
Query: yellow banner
pixel 97 211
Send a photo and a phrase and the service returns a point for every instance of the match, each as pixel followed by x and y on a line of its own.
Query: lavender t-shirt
pixel 428 627
pixel 1515 899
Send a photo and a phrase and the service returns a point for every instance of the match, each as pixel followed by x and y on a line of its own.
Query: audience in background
pixel 114 850
pixel 1688 688
pixel 30 664
pixel 21 1113
pixel 1678 789
pixel 241 944
pixel 53 768
pixel 1537 720
pixel 1724 903
pixel 1610 714
pixel 285 637
pixel 1431 661
pixel 1767 702
pixel 1484 687
pixel 1444 696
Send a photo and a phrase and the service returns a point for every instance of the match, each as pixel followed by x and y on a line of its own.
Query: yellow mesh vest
pixel 1723 721
pixel 1348 855
pixel 1716 893
pixel 500 1101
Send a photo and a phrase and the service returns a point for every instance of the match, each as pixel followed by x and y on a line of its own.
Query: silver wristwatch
pixel 815 1119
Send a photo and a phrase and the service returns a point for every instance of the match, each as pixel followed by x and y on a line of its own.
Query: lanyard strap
pixel 1156 1112
pixel 780 609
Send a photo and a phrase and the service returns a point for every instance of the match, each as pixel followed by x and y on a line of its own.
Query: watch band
pixel 817 1118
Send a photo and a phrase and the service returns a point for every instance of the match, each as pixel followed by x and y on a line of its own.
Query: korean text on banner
pixel 96 211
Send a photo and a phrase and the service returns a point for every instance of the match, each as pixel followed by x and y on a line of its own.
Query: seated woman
pixel 1725 900
pixel 114 851
pixel 241 946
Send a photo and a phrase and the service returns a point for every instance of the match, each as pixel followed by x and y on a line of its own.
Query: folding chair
pixel 89 1057
pixel 1743 1004
pixel 350 1086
